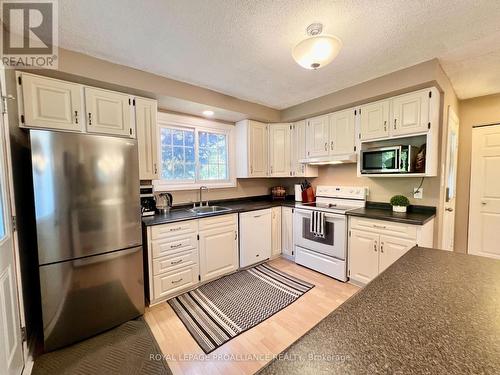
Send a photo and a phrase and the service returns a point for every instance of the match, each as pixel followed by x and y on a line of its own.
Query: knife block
pixel 308 195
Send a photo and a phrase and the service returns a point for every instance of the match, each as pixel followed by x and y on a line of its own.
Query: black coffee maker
pixel 148 204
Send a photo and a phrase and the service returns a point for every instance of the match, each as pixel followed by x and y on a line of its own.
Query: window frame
pixel 183 122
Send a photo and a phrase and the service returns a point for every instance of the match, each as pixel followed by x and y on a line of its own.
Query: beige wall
pixel 244 188
pixel 478 111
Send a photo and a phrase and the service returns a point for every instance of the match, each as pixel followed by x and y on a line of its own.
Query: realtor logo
pixel 29 33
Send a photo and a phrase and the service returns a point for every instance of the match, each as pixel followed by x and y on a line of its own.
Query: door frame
pixel 5 139
pixel 451 116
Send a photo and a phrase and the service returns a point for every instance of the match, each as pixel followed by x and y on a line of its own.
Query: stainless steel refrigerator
pixel 88 223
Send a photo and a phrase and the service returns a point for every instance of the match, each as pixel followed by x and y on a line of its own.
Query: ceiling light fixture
pixel 208 113
pixel 318 50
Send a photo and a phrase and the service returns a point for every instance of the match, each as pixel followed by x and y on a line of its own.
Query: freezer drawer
pixel 83 297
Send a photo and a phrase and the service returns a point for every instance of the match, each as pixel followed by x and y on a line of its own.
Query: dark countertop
pixel 417 215
pixel 235 205
pixel 431 312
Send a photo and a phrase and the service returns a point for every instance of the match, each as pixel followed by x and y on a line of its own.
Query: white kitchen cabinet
pixel 363 256
pixel 279 150
pixel 341 134
pixel 252 145
pixel 287 245
pixel 109 112
pixel 50 103
pixel 410 113
pixel 375 119
pixel 376 244
pixel 298 152
pixel 218 246
pixel 276 231
pixel 146 126
pixel 255 237
pixel 391 249
pixel 317 137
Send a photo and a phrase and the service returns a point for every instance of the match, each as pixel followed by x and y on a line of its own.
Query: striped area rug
pixel 222 309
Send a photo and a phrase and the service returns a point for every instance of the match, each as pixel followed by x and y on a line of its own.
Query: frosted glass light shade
pixel 317 51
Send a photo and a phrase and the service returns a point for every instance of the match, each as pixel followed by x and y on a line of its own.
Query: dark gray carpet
pixel 128 349
pixel 218 311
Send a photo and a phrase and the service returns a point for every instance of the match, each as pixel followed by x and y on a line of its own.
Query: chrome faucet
pixel 201 192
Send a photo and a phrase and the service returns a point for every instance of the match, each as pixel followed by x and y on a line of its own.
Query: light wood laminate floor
pixel 250 351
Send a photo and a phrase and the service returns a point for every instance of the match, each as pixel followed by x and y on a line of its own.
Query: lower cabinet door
pixel 218 252
pixel 391 249
pixel 276 231
pixel 287 245
pixel 363 256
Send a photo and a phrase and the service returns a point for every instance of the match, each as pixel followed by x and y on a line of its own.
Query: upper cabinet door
pixel 317 137
pixel 298 148
pixel 279 150
pixel 342 132
pixel 51 103
pixel 410 113
pixel 375 120
pixel 258 149
pixel 145 118
pixel 109 112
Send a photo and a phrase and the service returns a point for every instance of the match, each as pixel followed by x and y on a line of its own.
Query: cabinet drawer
pixel 218 222
pixel 385 227
pixel 171 283
pixel 174 261
pixel 174 229
pixel 173 245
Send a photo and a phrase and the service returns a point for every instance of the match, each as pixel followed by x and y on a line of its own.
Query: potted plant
pixel 399 203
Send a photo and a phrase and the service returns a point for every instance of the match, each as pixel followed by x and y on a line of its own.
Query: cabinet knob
pixel 382 247
pixel 375 246
pixel 76 117
pixel 90 118
pixel 331 145
pixel 326 146
pixel 385 125
pixel 395 122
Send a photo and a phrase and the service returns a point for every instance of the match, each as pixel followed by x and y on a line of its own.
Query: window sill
pixel 161 185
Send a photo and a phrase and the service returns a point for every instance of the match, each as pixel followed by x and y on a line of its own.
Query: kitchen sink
pixel 204 210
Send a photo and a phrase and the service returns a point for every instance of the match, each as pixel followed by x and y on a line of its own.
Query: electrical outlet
pixel 418 193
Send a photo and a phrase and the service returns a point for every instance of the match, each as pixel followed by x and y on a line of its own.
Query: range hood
pixel 331 159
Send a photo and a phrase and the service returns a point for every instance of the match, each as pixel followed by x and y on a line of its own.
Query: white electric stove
pixel 327 254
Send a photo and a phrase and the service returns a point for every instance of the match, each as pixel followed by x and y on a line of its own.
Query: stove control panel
pixel 347 192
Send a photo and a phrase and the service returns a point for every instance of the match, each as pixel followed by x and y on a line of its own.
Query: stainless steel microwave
pixel 391 159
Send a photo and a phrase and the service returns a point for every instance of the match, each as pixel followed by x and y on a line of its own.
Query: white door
pixel 363 256
pixel 410 113
pixel 258 149
pixel 145 115
pixel 255 237
pixel 298 148
pixel 317 137
pixel 279 150
pixel 109 112
pixel 450 181
pixel 484 209
pixel 287 244
pixel 276 231
pixel 218 252
pixel 342 132
pixel 375 120
pixel 51 103
pixel 11 349
pixel 391 249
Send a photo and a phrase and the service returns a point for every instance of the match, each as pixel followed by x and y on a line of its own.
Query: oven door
pixel 382 160
pixel 334 243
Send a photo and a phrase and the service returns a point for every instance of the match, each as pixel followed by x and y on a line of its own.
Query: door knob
pixel 449 209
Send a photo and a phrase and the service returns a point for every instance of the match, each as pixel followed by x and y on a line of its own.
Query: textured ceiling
pixel 243 47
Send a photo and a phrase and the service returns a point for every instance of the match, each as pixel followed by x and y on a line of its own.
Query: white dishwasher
pixel 255 237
